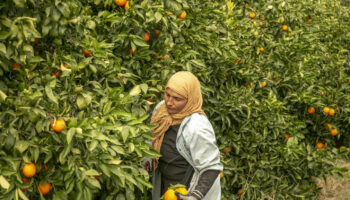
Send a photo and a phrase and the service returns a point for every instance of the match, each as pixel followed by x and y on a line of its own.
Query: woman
pixel 186 140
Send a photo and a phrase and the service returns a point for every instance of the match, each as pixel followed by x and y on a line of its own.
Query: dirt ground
pixel 336 188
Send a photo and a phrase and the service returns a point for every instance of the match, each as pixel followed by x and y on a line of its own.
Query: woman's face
pixel 174 101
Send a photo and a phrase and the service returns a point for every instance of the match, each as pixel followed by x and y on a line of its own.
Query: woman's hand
pixel 147 164
pixel 185 197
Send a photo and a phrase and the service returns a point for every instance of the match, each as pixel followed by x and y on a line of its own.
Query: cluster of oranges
pixel 170 193
pixel 29 170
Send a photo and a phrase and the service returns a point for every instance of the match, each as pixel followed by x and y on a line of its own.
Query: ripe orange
pixel 87 53
pixel 334 132
pixel 183 15
pixel 309 20
pixel 170 195
pixel 59 125
pixel 287 136
pixel 57 74
pixel 16 66
pixel 26 181
pixel 261 49
pixel 285 27
pixel 237 60
pixel 319 145
pixel 311 110
pixel 44 189
pixel 29 170
pixel 322 93
pixel 263 84
pixel 157 33
pixel 326 110
pixel 120 2
pixel 227 149
pixel 331 112
pixel 164 57
pixel 131 52
pixel 261 24
pixel 181 190
pixel 126 7
pixel 328 126
pixel 221 174
pixel 146 37
pixel 118 76
pixel 252 15
pixel 240 191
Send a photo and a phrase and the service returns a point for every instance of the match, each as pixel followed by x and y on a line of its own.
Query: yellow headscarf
pixel 187 85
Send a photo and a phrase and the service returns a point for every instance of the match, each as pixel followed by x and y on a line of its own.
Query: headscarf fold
pixel 187 85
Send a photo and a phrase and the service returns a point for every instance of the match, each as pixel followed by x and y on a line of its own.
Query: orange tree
pixel 99 65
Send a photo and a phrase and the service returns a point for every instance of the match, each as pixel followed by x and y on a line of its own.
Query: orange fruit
pixel 285 27
pixel 331 112
pixel 319 145
pixel 16 66
pixel 183 15
pixel 59 125
pixel 261 49
pixel 287 136
pixel 46 167
pixel 131 52
pixel 164 57
pixel 120 2
pixel 334 132
pixel 311 110
pixel 261 24
pixel 237 60
pixel 29 170
pixel 57 74
pixel 157 33
pixel 44 189
pixel 126 6
pixel 26 181
pixel 322 93
pixel 181 190
pixel 146 37
pixel 252 15
pixel 170 195
pixel 326 110
pixel 309 20
pixel 221 174
pixel 262 18
pixel 118 76
pixel 263 84
pixel 328 127
pixel 87 53
pixel 240 191
pixel 227 149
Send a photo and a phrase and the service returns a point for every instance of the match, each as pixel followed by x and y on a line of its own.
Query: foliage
pixel 106 98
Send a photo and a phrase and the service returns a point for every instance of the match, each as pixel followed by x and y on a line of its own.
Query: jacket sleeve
pixel 201 143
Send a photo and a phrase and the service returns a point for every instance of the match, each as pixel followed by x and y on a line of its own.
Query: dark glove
pixel 147 164
pixel 185 197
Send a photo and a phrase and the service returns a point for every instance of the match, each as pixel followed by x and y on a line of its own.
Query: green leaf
pixel 144 87
pixel 94 182
pixel 3 48
pixel 70 135
pixel 3 96
pixel 136 90
pixel 4 183
pixel 91 172
pixel 140 43
pixel 50 94
pixel 158 17
pixel 21 146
